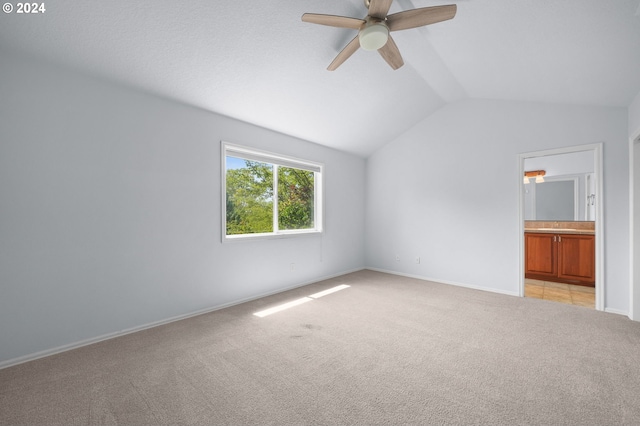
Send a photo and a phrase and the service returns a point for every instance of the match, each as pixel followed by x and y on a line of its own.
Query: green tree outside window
pixel 250 196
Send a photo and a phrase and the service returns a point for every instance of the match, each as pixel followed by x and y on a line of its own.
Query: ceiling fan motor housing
pixel 374 34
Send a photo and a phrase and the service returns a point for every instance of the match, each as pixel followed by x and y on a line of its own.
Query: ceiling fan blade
pixel 348 50
pixel 391 54
pixel 333 20
pixel 418 17
pixel 379 8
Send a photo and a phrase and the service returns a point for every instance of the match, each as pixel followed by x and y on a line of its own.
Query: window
pixel 267 195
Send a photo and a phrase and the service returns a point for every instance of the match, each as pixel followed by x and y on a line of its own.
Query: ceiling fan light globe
pixel 373 37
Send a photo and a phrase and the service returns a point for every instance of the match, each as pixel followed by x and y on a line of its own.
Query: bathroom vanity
pixel 560 252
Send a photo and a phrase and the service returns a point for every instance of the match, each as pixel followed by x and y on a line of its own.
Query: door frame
pixel 596 149
pixel 634 228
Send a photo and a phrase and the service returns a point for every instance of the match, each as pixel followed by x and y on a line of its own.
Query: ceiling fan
pixel 374 29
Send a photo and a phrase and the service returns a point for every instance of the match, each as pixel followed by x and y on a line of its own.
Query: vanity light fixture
pixel 538 174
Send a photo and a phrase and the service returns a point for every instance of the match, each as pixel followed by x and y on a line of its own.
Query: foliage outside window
pixel 253 180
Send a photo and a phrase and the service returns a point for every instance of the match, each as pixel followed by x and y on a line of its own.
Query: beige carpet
pixel 387 350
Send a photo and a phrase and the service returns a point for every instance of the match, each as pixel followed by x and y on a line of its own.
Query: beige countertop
pixel 560 231
pixel 560 227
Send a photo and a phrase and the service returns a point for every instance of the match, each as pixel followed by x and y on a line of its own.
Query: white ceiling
pixel 258 62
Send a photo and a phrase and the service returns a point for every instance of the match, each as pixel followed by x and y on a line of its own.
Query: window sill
pixel 270 236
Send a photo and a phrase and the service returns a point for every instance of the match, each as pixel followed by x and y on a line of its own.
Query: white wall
pixel 447 191
pixel 573 163
pixel 634 134
pixel 110 211
pixel 634 116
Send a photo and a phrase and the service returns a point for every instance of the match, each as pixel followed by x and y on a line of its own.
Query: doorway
pixel 592 207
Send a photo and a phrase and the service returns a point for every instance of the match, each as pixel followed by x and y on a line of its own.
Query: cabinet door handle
pixel 559 239
pixel 554 238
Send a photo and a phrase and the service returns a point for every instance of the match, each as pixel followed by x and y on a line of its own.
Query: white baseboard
pixel 92 340
pixel 435 280
pixel 616 311
pixel 475 287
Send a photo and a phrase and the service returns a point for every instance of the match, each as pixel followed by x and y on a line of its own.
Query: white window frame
pixel 239 151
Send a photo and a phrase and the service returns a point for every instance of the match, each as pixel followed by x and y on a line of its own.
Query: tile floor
pixel 558 292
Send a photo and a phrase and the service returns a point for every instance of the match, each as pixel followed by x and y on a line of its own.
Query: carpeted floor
pixel 386 350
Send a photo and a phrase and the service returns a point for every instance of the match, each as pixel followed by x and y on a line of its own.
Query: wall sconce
pixel 538 174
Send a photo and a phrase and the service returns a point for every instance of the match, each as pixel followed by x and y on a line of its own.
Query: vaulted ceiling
pixel 258 62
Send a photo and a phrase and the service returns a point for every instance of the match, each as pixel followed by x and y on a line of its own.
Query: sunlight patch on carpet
pixel 329 291
pixel 300 301
pixel 282 307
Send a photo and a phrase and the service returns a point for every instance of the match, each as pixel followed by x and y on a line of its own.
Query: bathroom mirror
pixel 555 200
pixel 568 190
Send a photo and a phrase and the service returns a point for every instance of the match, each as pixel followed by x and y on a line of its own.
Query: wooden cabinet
pixel 541 256
pixel 565 258
pixel 577 258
